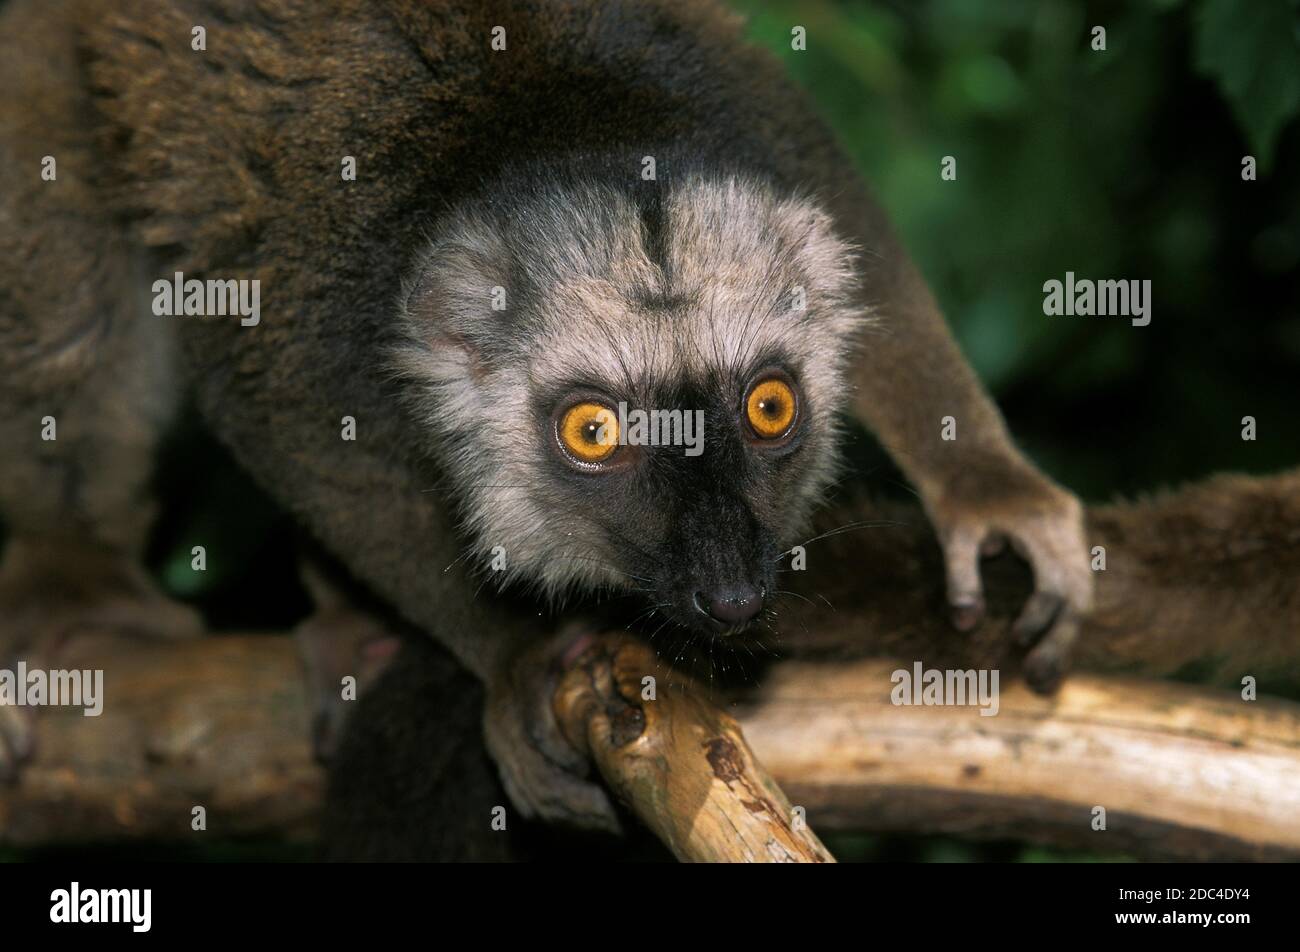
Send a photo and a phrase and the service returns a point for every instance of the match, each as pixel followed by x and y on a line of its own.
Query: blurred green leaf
pixel 1253 52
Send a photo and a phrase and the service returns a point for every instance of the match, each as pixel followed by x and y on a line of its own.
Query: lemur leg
pixel 412 779
pixel 352 636
pixel 85 391
pixel 77 514
pixel 346 645
pixel 949 438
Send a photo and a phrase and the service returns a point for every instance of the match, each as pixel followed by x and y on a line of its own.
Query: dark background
pixel 1117 164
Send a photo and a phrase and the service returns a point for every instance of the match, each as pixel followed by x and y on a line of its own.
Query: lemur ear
pixel 445 327
pixel 454 304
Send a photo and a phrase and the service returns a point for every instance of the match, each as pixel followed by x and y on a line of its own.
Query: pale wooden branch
pixel 219 723
pixel 1205 574
pixel 679 763
pixel 1182 771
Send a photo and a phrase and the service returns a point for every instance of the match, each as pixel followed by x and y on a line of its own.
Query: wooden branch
pixel 678 762
pixel 1202 575
pixel 1183 772
pixel 221 723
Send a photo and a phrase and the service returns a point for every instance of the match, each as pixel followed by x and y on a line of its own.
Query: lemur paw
pixel 52 597
pixel 334 644
pixel 545 778
pixel 1044 525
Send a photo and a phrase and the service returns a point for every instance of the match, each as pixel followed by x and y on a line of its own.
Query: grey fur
pixel 578 278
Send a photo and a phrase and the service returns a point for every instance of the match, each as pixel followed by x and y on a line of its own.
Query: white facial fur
pixel 577 274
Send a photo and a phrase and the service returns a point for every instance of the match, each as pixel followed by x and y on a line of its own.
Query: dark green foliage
pixel 1254 56
pixel 1123 163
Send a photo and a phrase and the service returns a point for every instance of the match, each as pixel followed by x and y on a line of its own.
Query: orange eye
pixel 589 432
pixel 770 408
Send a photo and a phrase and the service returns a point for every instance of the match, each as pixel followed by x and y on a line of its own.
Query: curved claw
pixel 965 589
pixel 1048 533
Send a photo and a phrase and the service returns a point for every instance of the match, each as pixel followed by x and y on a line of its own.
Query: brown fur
pixel 1203 581
pixel 226 163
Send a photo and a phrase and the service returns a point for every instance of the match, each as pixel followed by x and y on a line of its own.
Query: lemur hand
pixel 1044 524
pixel 544 776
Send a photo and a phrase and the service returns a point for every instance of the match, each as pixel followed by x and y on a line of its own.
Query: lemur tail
pixel 1203 581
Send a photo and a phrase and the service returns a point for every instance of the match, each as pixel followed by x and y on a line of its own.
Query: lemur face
pixel 636 394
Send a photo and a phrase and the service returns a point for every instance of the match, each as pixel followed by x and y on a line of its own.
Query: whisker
pixel 839 530
pixel 802 598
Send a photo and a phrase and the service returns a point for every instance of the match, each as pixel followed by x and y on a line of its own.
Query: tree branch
pixel 1181 772
pixel 222 723
pixel 681 764
pixel 1203 575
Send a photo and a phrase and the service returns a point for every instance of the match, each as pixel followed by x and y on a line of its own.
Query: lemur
pixel 480 230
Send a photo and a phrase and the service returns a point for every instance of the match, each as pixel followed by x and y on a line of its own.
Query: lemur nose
pixel 730 604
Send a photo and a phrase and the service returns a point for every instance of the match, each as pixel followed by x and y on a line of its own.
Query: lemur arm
pixel 944 431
